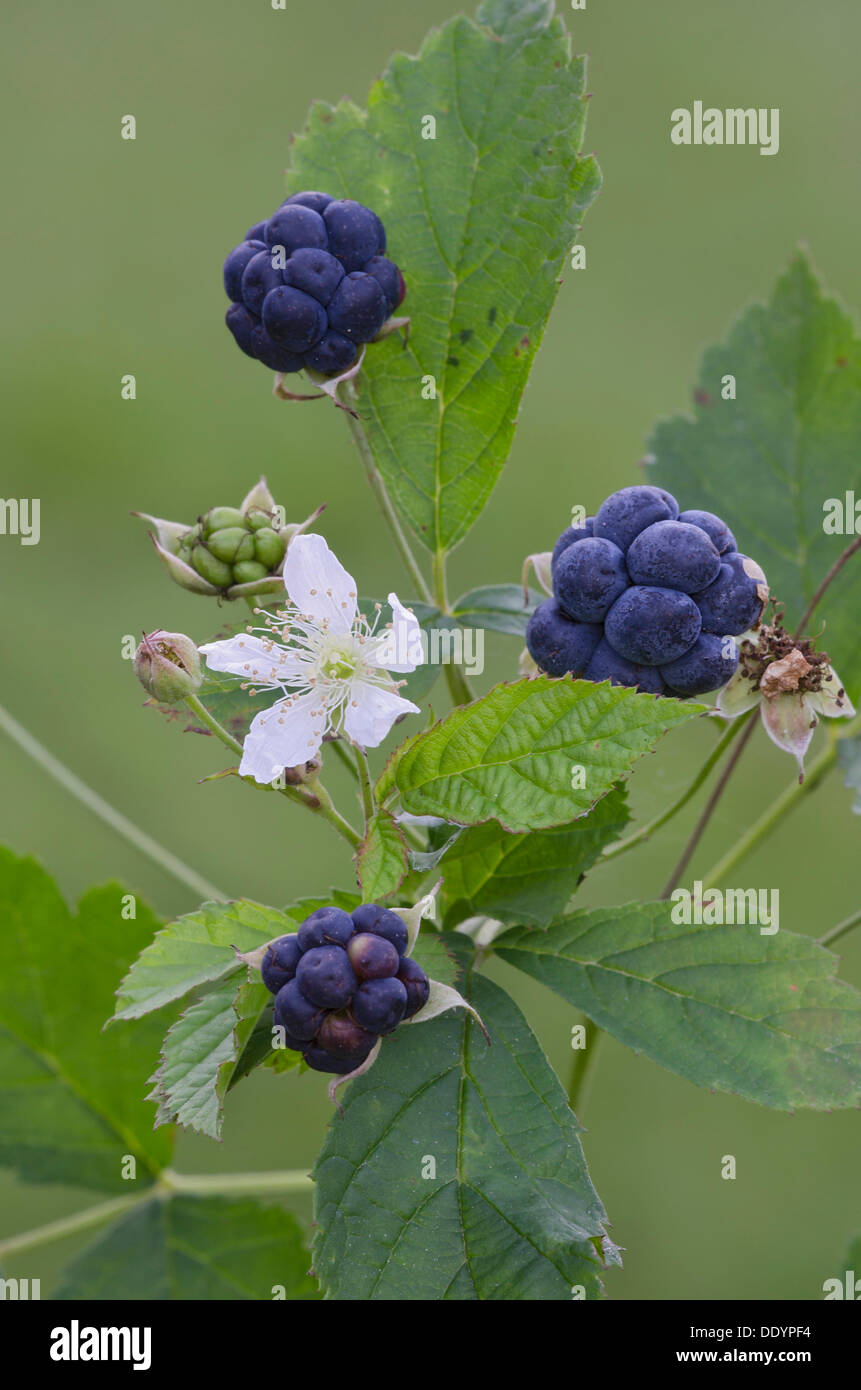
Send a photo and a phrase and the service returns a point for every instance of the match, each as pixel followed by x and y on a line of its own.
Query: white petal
pixel 318 584
pixel 825 701
pixel 399 647
pixel 790 722
pixel 371 711
pixel 737 696
pixel 286 735
pixel 255 658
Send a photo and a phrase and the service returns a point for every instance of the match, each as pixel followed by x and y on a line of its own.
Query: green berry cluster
pixel 227 546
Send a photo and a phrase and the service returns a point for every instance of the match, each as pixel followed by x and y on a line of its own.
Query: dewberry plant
pixel 706 591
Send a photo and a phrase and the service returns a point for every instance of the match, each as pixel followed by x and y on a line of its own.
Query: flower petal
pixel 286 735
pixel 318 584
pixel 259 661
pixel 371 712
pixel 259 497
pixel 827 701
pixel 789 722
pixel 737 696
pixel 399 647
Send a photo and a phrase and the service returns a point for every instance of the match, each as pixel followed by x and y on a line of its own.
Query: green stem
pixel 212 724
pixel 326 809
pixel 231 1184
pixel 341 753
pixel 771 817
pixel 582 1067
pixel 459 687
pixel 730 733
pixel 364 772
pixel 107 813
pixel 378 488
pixel 70 1225
pixel 841 929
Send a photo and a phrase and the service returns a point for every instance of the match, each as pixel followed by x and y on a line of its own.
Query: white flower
pixel 328 661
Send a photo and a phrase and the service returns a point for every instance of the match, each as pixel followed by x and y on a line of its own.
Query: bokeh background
pixel 113 252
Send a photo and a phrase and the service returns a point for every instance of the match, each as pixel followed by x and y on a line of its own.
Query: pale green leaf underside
pixel 529 878
pixel 210 1248
pixel 430 953
pixel 727 1008
pixel 511 755
pixel 769 460
pixel 479 219
pixel 382 858
pixel 71 1097
pixel 196 950
pixel 200 1054
pixel 511 1213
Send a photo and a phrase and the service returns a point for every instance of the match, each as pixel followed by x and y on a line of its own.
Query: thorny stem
pixel 168 1183
pixel 726 738
pixel 364 772
pixel 378 488
pixel 212 724
pixel 107 813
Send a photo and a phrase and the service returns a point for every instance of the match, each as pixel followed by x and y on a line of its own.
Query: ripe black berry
pixel 326 977
pixel 416 984
pixel 372 957
pixel 379 1005
pixel 295 1013
pixel 279 963
pixel 328 926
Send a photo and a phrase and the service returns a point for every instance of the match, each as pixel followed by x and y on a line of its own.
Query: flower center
pixel 339 661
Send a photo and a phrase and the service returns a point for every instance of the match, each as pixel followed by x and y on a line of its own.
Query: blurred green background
pixel 113 256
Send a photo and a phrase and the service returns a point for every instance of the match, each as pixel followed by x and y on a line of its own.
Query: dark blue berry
pixel 389 279
pixel 366 915
pixel 651 626
pixel 708 665
pixel 279 963
pixel 326 977
pixel 333 353
pixel 358 307
pixel 293 226
pixel 328 926
pixel 607 665
pixel 732 604
pixel 379 1005
pixel 629 511
pixel 272 354
pixel 315 272
pixel 416 984
pixel 570 536
pixel 588 579
pixel 258 278
pixel 341 1035
pixel 235 264
pixel 241 325
pixel 718 532
pixel 293 318
pixel 355 233
pixel 674 555
pixel 372 957
pixel 255 233
pixel 556 643
pixel 318 202
pixel 386 924
pixel 295 1013
pixel 320 1060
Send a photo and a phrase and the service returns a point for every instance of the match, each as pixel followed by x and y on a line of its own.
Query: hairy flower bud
pixel 167 665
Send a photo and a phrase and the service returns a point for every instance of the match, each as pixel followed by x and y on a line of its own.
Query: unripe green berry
pixel 225 544
pixel 220 517
pixel 210 568
pixel 268 548
pixel 256 518
pixel 248 571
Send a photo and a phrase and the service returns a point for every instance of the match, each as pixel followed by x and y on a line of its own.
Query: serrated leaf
pixel 201 1052
pixel 529 878
pixel 769 461
pixel 430 953
pixel 479 219
pixel 511 755
pixel 382 858
pixel 499 607
pixel 71 1098
pixel 724 1006
pixel 196 950
pixel 185 1248
pixel 849 761
pixel 510 1213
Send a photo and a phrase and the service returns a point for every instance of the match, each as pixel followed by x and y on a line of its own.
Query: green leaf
pixel 510 1214
pixel 529 878
pixel 382 858
pixel 197 950
pixel 769 461
pixel 513 754
pixel 849 761
pixel 479 219
pixel 201 1052
pixel 435 960
pixel 71 1098
pixel 727 1008
pixel 211 1248
pixel 499 607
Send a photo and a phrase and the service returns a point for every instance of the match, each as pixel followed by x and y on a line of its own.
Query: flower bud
pixel 167 664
